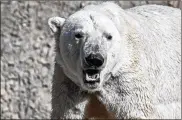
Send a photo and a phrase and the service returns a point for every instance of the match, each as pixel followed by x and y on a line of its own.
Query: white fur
pixel 142 75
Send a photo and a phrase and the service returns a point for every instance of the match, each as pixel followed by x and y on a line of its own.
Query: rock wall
pixel 27 53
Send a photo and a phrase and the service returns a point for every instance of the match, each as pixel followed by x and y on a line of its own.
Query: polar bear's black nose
pixel 95 60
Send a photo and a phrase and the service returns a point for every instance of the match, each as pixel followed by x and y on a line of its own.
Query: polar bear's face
pixel 88 43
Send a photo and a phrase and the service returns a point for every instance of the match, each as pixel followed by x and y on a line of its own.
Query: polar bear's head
pixel 89 46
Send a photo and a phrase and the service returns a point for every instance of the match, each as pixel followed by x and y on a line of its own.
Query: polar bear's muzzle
pixel 93 65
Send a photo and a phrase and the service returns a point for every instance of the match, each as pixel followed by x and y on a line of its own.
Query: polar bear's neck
pixel 96 109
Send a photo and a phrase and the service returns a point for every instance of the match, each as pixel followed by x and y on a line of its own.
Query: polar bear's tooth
pixel 89 78
pixel 92 77
pixel 96 76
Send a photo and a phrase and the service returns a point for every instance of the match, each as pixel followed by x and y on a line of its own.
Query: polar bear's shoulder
pixel 105 7
pixel 155 9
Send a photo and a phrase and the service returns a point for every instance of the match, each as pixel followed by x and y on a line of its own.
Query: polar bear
pixel 130 60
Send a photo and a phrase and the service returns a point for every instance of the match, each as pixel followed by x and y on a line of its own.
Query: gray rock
pixel 42 61
pixel 44 71
pixel 36 45
pixel 15 116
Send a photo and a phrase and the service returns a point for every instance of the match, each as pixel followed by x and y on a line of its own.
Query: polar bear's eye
pixel 109 37
pixel 78 35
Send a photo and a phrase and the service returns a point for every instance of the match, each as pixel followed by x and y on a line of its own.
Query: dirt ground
pixel 27 54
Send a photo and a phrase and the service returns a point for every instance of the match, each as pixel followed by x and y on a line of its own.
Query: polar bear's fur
pixel 143 61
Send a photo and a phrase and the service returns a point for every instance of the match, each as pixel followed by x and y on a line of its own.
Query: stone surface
pixel 27 54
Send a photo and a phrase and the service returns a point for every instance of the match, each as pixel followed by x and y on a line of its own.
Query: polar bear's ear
pixel 55 23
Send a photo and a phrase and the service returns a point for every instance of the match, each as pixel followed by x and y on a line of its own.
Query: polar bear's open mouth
pixel 91 78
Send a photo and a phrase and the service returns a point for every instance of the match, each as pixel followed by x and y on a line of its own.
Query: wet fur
pixel 148 86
